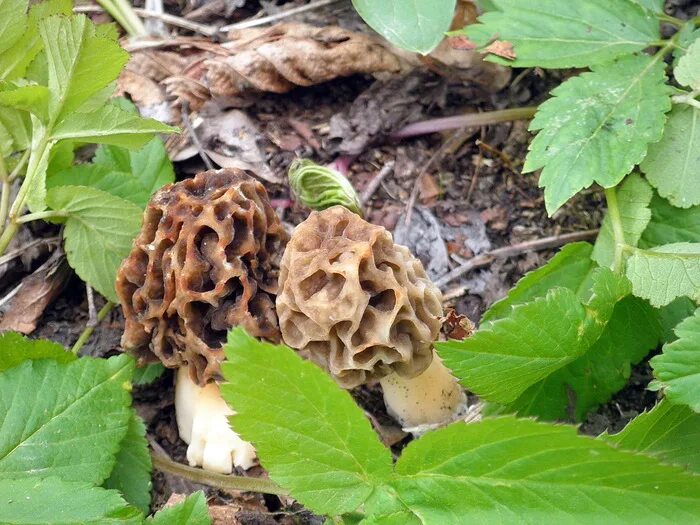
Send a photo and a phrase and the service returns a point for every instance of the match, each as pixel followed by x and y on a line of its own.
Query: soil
pixel 475 194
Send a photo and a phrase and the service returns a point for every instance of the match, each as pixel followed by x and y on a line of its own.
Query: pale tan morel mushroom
pixel 363 308
pixel 207 259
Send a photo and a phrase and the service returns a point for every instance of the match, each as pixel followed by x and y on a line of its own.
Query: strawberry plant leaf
pixel 670 225
pixel 337 458
pixel 36 200
pixel 555 34
pixel 633 198
pixel 192 511
pixel 677 369
pixel 33 99
pixel 597 126
pixel 669 432
pixel 569 268
pixel 687 71
pixel 144 375
pixel 15 131
pixel 665 272
pixel 71 419
pixel 505 358
pixel 131 474
pixel 673 313
pixel 571 392
pixel 13 22
pixel 109 125
pixel 507 470
pixel 655 6
pixel 53 501
pixel 15 349
pixel 418 25
pixel 672 165
pixel 98 233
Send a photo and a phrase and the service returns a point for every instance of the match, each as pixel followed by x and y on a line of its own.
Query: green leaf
pixel 279 398
pixel 98 234
pixel 33 99
pixel 109 125
pixel 633 198
pixel 320 187
pixel 131 474
pixel 677 369
pixel 672 165
pixel 597 126
pixel 192 511
pixel 569 268
pixel 15 349
pixel 673 313
pixel 144 375
pixel 38 164
pixel 79 63
pixel 15 131
pixel 502 360
pixel 15 60
pixel 669 432
pixel 670 225
pixel 63 420
pixel 415 25
pixel 687 71
pixel 655 6
pixel 507 470
pixel 556 34
pixel 663 273
pixel 574 390
pixel 13 22
pixel 53 501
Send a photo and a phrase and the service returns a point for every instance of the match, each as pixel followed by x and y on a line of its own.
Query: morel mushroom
pixel 207 259
pixel 363 308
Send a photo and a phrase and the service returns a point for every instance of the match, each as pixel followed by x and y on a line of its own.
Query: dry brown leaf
pixel 501 48
pixel 461 42
pixel 456 326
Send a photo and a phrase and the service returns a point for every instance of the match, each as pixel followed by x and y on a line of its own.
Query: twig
pixel 172 20
pixel 19 251
pixel 277 16
pixel 473 120
pixel 89 329
pixel 221 481
pixel 376 181
pixel 193 135
pixel 515 249
pixel 92 311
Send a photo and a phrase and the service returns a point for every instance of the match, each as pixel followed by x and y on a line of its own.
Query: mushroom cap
pixel 207 259
pixel 354 302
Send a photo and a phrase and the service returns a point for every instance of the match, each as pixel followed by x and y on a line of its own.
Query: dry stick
pixel 19 251
pixel 221 481
pixel 376 181
pixel 193 135
pixel 278 16
pixel 515 249
pixel 92 311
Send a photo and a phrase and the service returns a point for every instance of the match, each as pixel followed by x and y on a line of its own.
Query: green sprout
pixel 320 187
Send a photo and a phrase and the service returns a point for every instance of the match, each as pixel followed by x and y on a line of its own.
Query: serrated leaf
pixel 192 511
pixel 131 474
pixel 665 272
pixel 677 369
pixel 673 313
pixel 54 501
pixel 687 71
pixel 507 470
pixel 15 60
pixel 577 388
pixel 109 125
pixel 15 349
pixel 15 131
pixel 64 420
pixel 98 233
pixel 633 198
pixel 13 22
pixel 670 225
pixel 597 126
pixel 33 99
pixel 504 359
pixel 672 165
pixel 669 432
pixel 416 25
pixel 144 375
pixel 569 268
pixel 79 63
pixel 279 398
pixel 555 34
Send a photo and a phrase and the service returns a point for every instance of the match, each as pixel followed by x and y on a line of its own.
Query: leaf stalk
pixel 618 231
pixel 125 16
pixel 91 328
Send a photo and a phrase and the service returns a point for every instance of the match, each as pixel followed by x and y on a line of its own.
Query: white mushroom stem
pixel 429 399
pixel 202 419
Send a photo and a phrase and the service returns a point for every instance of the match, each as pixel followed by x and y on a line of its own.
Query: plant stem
pixel 222 481
pixel 618 232
pixel 670 19
pixel 48 214
pixel 4 193
pixel 124 14
pixel 89 329
pixel 470 120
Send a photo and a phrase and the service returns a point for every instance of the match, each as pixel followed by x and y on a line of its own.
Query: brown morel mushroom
pixel 207 259
pixel 363 308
